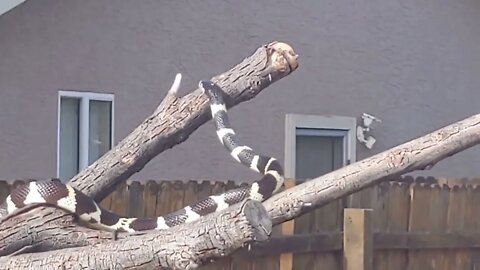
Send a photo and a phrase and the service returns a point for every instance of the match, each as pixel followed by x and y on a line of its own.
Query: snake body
pixel 64 196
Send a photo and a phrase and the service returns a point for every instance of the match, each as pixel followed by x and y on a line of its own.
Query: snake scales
pixel 58 194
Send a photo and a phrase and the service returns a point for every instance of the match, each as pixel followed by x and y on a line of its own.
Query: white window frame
pixel 326 126
pixel 84 122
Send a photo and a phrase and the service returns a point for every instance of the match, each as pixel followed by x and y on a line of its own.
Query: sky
pixel 6 5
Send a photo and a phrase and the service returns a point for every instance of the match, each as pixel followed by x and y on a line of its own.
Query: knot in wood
pixel 283 57
pixel 397 158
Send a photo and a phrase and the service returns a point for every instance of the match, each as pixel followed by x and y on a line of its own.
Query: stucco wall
pixel 414 64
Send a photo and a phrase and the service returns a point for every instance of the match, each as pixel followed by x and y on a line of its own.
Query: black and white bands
pixel 56 193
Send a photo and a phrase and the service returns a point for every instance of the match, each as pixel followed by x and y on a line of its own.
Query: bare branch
pixel 176 118
pixel 183 247
pixel 171 123
pixel 417 154
pixel 176 85
pixel 407 157
pixel 413 155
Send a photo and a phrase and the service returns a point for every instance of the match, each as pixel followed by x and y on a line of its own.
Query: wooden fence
pixel 406 223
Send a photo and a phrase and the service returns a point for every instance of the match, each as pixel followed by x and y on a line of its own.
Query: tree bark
pixel 182 247
pixel 178 117
pixel 419 154
pixel 170 124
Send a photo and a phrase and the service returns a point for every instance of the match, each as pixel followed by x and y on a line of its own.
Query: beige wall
pixel 414 64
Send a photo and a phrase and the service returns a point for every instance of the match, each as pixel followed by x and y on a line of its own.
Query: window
pixel 85 130
pixel 316 145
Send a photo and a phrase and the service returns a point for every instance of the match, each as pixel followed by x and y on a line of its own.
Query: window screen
pixel 100 129
pixel 318 151
pixel 69 137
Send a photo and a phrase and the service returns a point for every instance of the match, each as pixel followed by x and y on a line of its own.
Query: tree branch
pixel 417 154
pixel 414 155
pixel 170 124
pixel 182 247
pixel 177 117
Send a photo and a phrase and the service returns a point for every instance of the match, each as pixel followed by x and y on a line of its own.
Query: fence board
pixel 379 205
pixel 380 221
pixel 460 258
pixel 177 194
pixel 303 225
pixel 107 202
pixel 428 214
pixel 322 220
pixel 438 221
pixel 237 262
pixel 135 206
pixel 190 189
pixel 204 189
pixel 357 239
pixel 397 212
pixel 218 188
pixel 365 198
pixel 448 214
pixel 150 198
pixel 420 197
pixel 164 198
pixel 472 222
pixel 119 198
pixel 225 263
pixel 328 219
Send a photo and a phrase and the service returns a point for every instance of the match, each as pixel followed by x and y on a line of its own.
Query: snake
pixel 54 192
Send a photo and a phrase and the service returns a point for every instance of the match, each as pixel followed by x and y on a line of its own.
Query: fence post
pixel 357 239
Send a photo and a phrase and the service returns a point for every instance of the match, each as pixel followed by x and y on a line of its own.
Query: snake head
pixel 212 90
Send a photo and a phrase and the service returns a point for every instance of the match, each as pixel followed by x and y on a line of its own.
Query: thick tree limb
pixel 418 154
pixel 170 124
pixel 177 117
pixel 182 247
pixel 414 155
